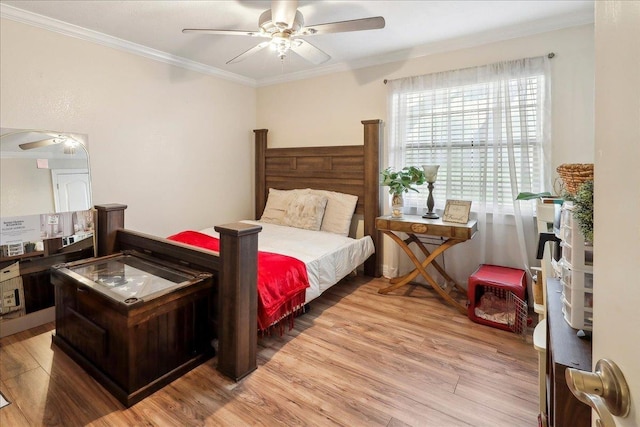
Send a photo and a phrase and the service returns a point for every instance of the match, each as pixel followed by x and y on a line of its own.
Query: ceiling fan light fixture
pixel 69 149
pixel 70 145
pixel 281 43
pixel 284 23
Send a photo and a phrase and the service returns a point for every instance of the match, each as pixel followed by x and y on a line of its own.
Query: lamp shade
pixel 430 172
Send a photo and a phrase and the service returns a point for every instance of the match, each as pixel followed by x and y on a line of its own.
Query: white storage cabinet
pixel 576 276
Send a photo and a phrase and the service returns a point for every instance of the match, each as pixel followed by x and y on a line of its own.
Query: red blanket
pixel 282 280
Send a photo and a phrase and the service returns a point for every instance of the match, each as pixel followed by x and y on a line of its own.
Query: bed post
pixel 238 299
pixel 261 190
pixel 372 138
pixel 108 219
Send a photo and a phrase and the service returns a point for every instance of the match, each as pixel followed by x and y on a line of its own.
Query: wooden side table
pixel 414 226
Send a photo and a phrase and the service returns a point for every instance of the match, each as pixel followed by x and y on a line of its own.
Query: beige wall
pixel 25 189
pixel 327 110
pixel 174 145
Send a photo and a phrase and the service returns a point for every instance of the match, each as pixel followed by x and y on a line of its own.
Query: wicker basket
pixel 573 175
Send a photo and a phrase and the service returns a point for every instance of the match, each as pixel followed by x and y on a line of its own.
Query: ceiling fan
pixel 56 139
pixel 283 24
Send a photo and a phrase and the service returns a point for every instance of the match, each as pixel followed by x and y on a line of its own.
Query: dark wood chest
pixel 131 322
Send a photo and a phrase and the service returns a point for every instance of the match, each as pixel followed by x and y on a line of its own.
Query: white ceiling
pixel 413 28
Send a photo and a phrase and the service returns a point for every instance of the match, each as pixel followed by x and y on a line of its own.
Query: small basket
pixel 573 175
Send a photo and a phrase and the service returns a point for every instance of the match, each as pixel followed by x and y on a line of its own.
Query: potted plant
pixel 583 212
pixel 400 182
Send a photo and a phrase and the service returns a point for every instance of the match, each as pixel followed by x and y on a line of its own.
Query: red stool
pixel 499 281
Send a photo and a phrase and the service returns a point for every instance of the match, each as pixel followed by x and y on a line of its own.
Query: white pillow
pixel 277 203
pixel 305 211
pixel 339 211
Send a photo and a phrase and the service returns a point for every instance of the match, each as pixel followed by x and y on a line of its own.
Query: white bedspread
pixel 329 257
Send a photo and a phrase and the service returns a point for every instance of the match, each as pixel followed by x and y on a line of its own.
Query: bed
pixel 347 169
pixel 330 258
pixel 295 266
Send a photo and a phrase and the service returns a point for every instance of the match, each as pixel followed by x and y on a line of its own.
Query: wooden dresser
pixel 564 350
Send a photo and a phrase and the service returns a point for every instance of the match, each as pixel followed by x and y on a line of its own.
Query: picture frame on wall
pixel 457 211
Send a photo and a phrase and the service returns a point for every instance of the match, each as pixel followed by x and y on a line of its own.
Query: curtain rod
pixel 549 55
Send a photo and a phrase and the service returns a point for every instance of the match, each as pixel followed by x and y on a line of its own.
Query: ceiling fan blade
pixel 374 23
pixel 284 12
pixel 249 52
pixel 309 52
pixel 222 32
pixel 41 143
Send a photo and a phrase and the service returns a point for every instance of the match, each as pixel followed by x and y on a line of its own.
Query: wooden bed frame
pixel 350 169
pixel 233 314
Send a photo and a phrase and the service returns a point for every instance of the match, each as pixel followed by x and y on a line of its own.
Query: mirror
pixel 33 162
pixel 45 214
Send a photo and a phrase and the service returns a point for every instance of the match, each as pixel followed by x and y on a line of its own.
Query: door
pixel 71 189
pixel 616 311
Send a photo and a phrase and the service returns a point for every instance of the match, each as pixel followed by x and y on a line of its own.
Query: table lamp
pixel 430 174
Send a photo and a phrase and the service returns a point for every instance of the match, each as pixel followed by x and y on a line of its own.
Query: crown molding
pixel 506 33
pixel 40 21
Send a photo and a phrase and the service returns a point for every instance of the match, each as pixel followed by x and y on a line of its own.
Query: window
pixel 483 126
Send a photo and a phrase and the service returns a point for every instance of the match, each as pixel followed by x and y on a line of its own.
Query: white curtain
pixel 488 128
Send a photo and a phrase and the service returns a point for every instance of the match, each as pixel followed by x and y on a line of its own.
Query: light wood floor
pixel 357 358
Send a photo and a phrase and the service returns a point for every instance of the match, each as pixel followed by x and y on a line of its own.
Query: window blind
pixel 486 137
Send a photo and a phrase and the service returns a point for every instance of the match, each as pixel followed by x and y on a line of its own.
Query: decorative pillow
pixel 277 203
pixel 339 211
pixel 305 211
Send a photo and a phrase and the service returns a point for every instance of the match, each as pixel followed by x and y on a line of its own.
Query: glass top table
pixel 129 279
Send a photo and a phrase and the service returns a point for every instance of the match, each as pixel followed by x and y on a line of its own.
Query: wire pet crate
pixel 497 298
pixel 518 322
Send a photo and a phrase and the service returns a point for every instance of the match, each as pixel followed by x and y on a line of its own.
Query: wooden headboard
pixel 350 169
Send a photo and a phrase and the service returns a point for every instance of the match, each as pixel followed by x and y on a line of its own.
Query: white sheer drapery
pixel 488 128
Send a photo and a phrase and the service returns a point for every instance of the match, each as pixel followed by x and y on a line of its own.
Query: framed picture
pixel 457 211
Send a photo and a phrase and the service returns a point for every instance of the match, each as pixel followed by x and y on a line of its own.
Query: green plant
pixel 583 211
pixel 525 195
pixel 403 180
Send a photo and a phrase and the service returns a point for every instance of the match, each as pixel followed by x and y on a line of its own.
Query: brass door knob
pixel 605 390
